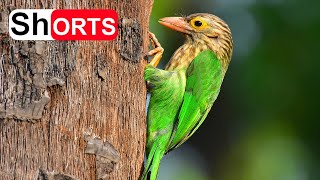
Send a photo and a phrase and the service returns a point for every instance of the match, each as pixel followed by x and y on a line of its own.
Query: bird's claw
pixel 157 50
pixel 154 40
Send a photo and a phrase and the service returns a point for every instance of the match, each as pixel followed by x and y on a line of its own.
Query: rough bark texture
pixel 74 109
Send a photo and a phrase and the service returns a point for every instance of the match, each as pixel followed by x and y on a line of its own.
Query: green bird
pixel 183 93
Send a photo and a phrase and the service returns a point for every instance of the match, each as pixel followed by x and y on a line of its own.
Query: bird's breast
pixel 183 56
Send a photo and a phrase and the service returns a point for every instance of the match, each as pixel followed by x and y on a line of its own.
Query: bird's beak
pixel 176 23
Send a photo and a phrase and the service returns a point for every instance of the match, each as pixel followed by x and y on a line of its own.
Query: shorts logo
pixel 51 24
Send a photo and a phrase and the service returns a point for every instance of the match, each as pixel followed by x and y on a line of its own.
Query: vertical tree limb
pixel 56 97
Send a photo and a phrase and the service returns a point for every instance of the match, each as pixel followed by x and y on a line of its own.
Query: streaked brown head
pixel 205 31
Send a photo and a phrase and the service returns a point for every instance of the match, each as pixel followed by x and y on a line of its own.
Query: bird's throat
pixel 182 58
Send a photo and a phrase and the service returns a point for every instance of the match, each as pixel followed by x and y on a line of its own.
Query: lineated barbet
pixel 183 93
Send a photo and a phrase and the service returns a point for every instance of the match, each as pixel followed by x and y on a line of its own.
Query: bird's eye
pixel 198 23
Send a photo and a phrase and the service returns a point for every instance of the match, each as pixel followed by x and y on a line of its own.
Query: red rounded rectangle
pixel 84 24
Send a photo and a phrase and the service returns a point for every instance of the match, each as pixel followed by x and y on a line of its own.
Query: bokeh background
pixel 265 123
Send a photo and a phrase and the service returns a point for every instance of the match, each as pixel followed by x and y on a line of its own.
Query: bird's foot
pixel 156 52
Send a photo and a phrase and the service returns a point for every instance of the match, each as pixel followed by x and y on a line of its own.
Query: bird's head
pixel 205 31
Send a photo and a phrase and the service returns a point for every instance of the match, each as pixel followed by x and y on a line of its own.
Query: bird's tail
pixel 153 163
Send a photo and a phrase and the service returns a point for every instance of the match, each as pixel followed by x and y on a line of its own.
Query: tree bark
pixel 74 109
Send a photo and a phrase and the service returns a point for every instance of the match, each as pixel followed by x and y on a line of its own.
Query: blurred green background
pixel 265 123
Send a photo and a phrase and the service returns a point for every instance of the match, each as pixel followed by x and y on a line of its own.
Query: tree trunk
pixel 74 109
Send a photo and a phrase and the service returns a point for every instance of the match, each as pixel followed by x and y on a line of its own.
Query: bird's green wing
pixel 204 78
